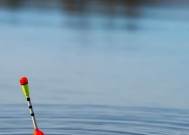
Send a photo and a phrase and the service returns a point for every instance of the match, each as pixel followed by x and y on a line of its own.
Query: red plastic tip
pixel 23 80
pixel 38 132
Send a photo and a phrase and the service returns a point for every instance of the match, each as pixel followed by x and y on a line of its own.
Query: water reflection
pixel 133 51
pixel 129 11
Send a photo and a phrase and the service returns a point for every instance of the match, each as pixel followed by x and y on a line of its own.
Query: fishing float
pixel 26 90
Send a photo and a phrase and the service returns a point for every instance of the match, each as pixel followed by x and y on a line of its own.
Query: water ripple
pixel 93 120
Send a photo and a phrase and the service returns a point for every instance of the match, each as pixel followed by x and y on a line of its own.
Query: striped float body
pixel 32 113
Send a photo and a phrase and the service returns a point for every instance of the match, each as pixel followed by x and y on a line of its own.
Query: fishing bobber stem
pixel 32 113
pixel 26 90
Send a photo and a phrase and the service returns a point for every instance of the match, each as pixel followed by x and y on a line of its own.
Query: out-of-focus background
pixel 96 52
pixel 95 67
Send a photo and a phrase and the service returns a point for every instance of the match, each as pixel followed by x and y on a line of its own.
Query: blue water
pixel 94 119
pixel 96 69
pixel 96 58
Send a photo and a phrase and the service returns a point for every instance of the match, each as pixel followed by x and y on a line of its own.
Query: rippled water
pixel 94 120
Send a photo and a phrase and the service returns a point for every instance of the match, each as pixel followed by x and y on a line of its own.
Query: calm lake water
pixel 94 120
pixel 96 67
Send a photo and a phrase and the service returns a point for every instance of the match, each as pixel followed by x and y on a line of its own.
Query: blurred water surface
pixel 96 52
pixel 89 60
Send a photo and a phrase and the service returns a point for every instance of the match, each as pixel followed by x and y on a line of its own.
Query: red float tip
pixel 38 132
pixel 23 80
